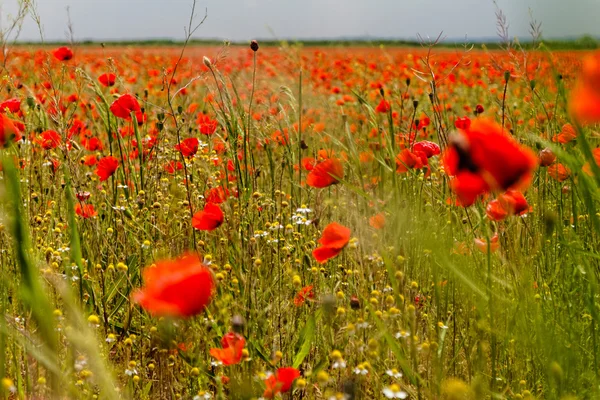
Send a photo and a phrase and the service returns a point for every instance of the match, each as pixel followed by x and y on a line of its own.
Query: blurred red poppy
pixel 377 221
pixel 106 167
pixel 179 288
pixel 210 218
pixel 566 134
pixel 188 147
pixel 484 158
pixel 231 352
pixel 430 149
pixel 85 210
pixel 280 382
pixel 9 131
pixel 63 54
pixel 326 173
pixel 584 103
pixel 333 240
pixel 107 79
pixel 49 139
pixel 383 106
pixel 303 294
pixel 11 105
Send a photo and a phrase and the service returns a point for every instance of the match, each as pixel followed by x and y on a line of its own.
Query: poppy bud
pixel 479 109
pixel 381 92
pixel 506 76
pixel 354 303
pixel 206 61
pixel 254 45
pixel 407 81
pixel 546 157
pixel 415 103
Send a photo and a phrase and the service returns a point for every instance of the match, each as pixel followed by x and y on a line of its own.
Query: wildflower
pixel 63 54
pixel 394 373
pixel 106 167
pixel 254 45
pixel 9 131
pixel 377 221
pixel 232 348
pixel 206 125
pixel 483 158
pixel 10 105
pixel 335 237
pixel 326 173
pixel 304 293
pixel 107 79
pixel 383 106
pixel 210 218
pixel 566 134
pixel 124 106
pixel 394 392
pixel 410 160
pixel 281 382
pixel 49 139
pixel 430 149
pixel 584 104
pixel 362 369
pixel 85 211
pixel 482 244
pixel 188 147
pixel 559 172
pixel 181 288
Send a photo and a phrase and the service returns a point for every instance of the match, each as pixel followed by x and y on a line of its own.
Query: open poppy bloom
pixel 206 125
pixel 559 172
pixel 85 211
pixel 483 158
pixel 188 147
pixel 377 221
pixel 179 288
pixel 231 353
pixel 208 219
pixel 567 134
pixel 335 237
pixel 106 167
pixel 63 54
pixel 124 106
pixel 49 139
pixel 107 79
pixel 280 382
pixel 430 149
pixel 326 173
pixel 510 203
pixel 383 107
pixel 11 105
pixel 9 131
pixel 304 293
pixel 410 160
pixel 584 103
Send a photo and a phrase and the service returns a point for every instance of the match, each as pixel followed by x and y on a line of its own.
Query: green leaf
pixel 307 335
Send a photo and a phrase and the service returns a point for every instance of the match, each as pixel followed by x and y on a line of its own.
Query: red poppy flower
pixel 333 240
pixel 377 221
pixel 383 106
pixel 482 244
pixel 179 288
pixel 567 134
pixel 188 147
pixel 49 139
pixel 106 167
pixel 303 294
pixel 324 174
pixel 430 149
pixel 514 202
pixel 462 123
pixel 410 160
pixel 484 158
pixel 232 346
pixel 208 219
pixel 559 172
pixel 85 211
pixel 9 131
pixel 584 103
pixel 107 79
pixel 124 106
pixel 217 195
pixel 280 382
pixel 206 125
pixel 63 54
pixel 12 105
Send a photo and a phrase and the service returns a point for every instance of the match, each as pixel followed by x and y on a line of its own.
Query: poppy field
pixel 245 222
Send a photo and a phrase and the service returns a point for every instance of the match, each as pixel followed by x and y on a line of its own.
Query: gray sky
pixel 302 19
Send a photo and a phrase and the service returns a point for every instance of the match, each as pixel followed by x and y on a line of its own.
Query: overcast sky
pixel 241 20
